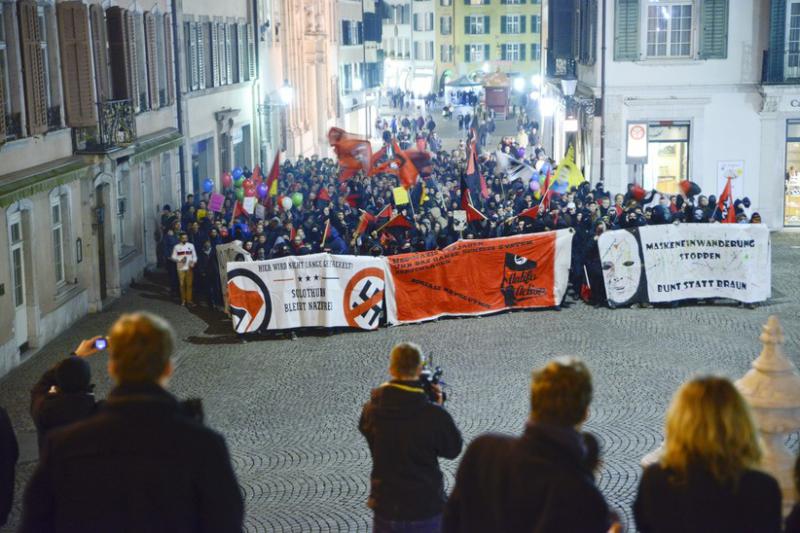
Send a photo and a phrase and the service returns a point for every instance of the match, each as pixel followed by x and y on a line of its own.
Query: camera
pixel 430 376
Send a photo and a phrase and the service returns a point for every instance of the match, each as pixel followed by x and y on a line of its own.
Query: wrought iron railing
pixel 116 128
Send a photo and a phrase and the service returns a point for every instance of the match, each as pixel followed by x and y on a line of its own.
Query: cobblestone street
pixel 289 409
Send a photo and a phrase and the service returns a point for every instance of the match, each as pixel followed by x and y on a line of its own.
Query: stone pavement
pixel 289 410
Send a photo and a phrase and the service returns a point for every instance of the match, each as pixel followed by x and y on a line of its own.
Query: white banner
pixel 707 261
pixel 313 290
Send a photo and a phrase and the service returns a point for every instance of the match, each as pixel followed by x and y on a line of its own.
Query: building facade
pixel 691 72
pixel 88 154
pixel 360 65
pixel 495 35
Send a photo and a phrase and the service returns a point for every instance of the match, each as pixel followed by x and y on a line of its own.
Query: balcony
pixel 116 129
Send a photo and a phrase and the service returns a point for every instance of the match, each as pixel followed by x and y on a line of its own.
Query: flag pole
pixel 325 234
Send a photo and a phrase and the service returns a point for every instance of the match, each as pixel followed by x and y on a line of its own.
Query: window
pixel 446 25
pixel 475 53
pixel 445 3
pixel 511 52
pixel 45 55
pixel 512 24
pixel 141 61
pixel 536 24
pixel 475 24
pixel 124 218
pixel 446 53
pixel 667 156
pixel 161 62
pixel 536 52
pixel 222 31
pixel 57 231
pixel 423 21
pixel 352 32
pixel 587 32
pixel 477 2
pixel 512 2
pixel 792 68
pixel 669 29
pixel 166 178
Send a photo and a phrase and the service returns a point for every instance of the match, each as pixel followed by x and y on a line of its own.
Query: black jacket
pixel 9 453
pixel 793 520
pixel 702 504
pixel 406 435
pixel 50 411
pixel 538 482
pixel 139 464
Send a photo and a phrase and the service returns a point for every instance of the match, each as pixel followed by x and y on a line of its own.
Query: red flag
pixel 364 222
pixel 353 152
pixel 386 212
pixel 377 156
pixel 726 200
pixel 531 212
pixel 238 210
pixel 323 194
pixel 398 221
pixel 352 199
pixel 473 215
pixel 256 177
pixel 412 164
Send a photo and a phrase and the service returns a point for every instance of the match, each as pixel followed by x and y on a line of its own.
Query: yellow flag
pixel 568 171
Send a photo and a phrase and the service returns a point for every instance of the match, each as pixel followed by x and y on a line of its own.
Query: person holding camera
pixel 142 463
pixel 64 394
pixel 407 433
pixel 540 481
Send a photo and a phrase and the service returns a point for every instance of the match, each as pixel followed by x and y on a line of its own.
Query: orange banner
pixel 472 277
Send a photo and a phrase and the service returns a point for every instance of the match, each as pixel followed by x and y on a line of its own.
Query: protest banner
pixel 314 290
pixel 667 263
pixel 215 202
pixel 475 277
pixel 249 205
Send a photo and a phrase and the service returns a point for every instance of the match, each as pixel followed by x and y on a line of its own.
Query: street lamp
pixel 286 93
pixel 568 86
pixel 519 84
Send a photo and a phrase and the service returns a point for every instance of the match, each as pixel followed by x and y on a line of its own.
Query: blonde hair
pixel 709 425
pixel 561 392
pixel 405 359
pixel 139 346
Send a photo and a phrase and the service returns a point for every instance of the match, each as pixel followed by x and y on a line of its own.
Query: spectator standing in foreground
pixel 793 521
pixel 541 481
pixel 706 479
pixel 407 433
pixel 9 453
pixel 144 462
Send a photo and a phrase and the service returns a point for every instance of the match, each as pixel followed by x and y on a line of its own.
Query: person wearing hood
pixel 407 433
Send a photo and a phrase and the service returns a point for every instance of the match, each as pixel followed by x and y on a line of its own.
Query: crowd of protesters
pixel 142 460
pixel 315 211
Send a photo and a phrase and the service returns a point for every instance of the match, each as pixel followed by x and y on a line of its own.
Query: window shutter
pixel 243 68
pixel 502 52
pixel 486 50
pixel 191 56
pixel 522 21
pixel 201 55
pixel 215 53
pixel 152 61
pixel 714 29
pixel 118 53
pixel 228 53
pixel 100 49
pixel 76 63
pixel 466 25
pixel 777 42
pixel 168 55
pixel 2 111
pixel 133 60
pixel 486 25
pixel 503 23
pixel 345 32
pixel 626 30
pixel 32 67
pixel 251 51
pixel 466 53
pixel 522 51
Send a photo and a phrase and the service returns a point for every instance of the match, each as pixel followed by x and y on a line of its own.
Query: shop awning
pixel 463 81
pixel 41 178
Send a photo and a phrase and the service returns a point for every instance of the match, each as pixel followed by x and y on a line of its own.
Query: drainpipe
pixel 178 97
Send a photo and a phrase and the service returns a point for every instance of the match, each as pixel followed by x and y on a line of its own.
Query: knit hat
pixel 73 375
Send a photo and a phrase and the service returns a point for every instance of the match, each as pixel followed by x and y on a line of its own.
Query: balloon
pixel 537 195
pixel 239 194
pixel 249 191
pixel 261 190
pixel 237 172
pixel 248 184
pixel 227 180
pixel 286 203
pixel 535 185
pixel 238 182
pixel 297 199
pixel 208 185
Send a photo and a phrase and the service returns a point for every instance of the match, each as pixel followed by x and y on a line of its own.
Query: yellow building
pixel 478 36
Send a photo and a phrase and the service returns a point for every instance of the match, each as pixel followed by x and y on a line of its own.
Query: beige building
pixel 87 156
